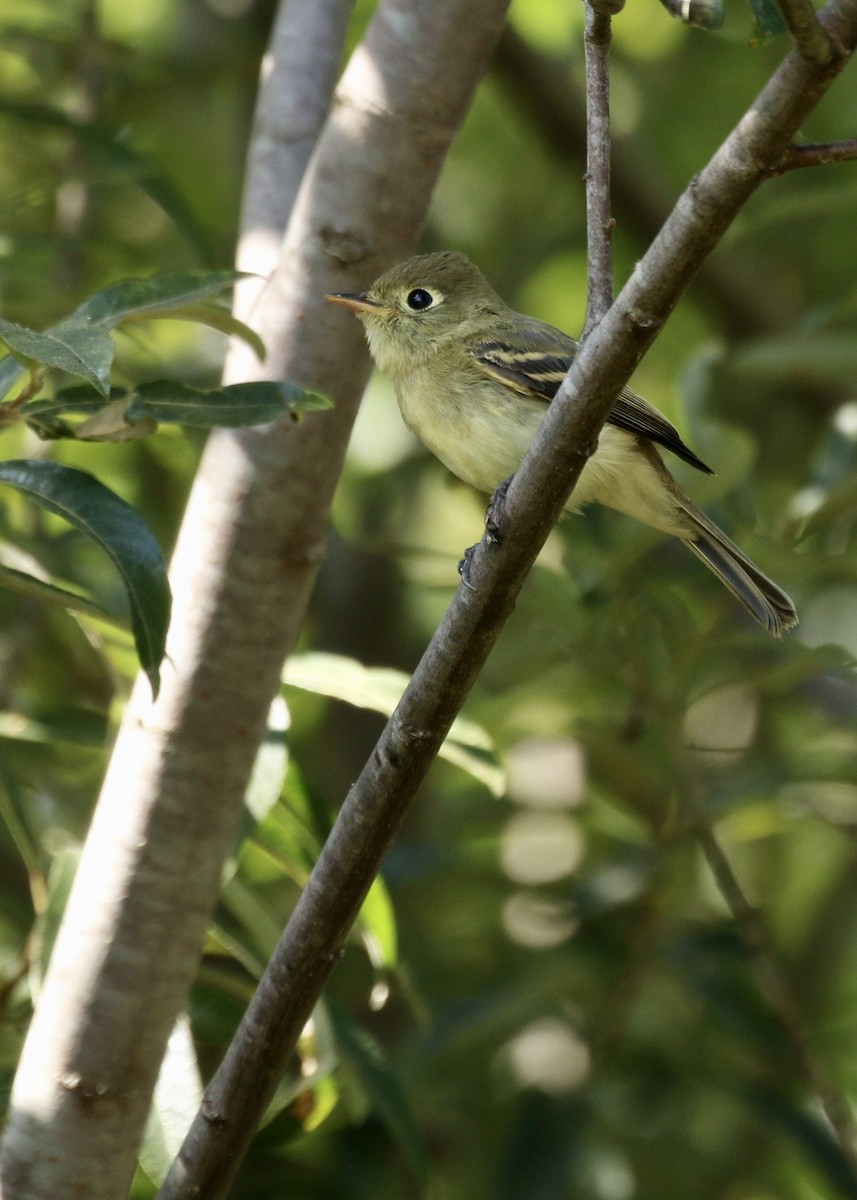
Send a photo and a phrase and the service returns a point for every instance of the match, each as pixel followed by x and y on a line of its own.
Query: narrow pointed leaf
pixel 80 350
pixel 87 504
pixel 141 299
pixel 361 1057
pixel 236 405
pixel 106 150
pixel 467 744
pixel 216 317
pixel 69 400
pixel 51 593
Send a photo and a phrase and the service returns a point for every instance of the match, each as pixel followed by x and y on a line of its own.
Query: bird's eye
pixel 419 300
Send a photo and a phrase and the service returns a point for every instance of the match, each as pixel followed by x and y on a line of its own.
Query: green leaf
pixel 219 318
pixel 105 149
pixel 87 504
pixel 10 372
pixel 60 879
pixel 235 405
pixel 77 727
pixel 768 21
pixel 157 296
pixel 361 1057
pixel 820 359
pixel 178 1095
pixel 269 769
pixel 51 593
pixel 377 925
pixel 467 745
pixel 112 423
pixel 79 350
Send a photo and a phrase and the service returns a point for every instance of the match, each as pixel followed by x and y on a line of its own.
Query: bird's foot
pixel 495 519
pixel 495 514
pixel 464 568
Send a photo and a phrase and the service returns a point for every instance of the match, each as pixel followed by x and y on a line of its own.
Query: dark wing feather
pixel 635 414
pixel 536 362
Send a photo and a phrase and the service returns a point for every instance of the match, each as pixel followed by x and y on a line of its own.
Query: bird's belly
pixel 630 478
pixel 483 438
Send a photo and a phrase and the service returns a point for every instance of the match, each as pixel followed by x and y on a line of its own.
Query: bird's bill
pixel 356 302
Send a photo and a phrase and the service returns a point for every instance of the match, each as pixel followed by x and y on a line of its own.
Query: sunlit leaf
pixel 115 526
pixel 112 423
pixel 219 318
pixel 60 879
pixel 468 745
pixel 378 923
pixel 269 769
pixel 178 1095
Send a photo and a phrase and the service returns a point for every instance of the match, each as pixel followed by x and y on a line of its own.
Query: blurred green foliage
pixel 548 998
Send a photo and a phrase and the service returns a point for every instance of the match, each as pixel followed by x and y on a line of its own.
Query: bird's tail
pixel 769 604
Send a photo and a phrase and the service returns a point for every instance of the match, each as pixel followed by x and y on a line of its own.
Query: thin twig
pixel 599 218
pixel 542 88
pixel 815 154
pixel 811 38
pixel 773 981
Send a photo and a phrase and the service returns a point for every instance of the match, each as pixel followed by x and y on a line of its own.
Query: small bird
pixel 473 380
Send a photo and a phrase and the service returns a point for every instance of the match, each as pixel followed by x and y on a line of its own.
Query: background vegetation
pixel 551 995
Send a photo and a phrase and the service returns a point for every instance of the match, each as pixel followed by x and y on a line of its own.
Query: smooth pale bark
pixel 243 569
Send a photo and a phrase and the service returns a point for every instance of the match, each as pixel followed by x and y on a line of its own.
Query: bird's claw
pixel 495 514
pixel 464 568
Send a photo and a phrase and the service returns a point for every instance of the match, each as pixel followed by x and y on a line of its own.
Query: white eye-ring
pixel 421 299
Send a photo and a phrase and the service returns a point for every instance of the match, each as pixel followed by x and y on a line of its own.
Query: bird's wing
pixel 535 360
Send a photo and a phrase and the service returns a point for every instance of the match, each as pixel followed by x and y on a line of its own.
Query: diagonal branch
pixel 810 36
pixel 376 804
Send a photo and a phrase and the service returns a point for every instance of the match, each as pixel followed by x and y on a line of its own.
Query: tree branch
pixel 820 154
pixel 376 804
pixel 247 557
pixel 543 88
pixel 811 38
pixel 599 218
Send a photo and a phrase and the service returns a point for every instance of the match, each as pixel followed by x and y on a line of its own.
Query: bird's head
pixel 420 308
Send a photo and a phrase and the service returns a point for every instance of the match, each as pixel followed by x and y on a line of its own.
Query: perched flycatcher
pixel 473 379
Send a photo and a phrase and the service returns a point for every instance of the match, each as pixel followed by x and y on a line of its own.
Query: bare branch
pixel 811 38
pixel 557 109
pixel 599 219
pixel 819 154
pixel 376 804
